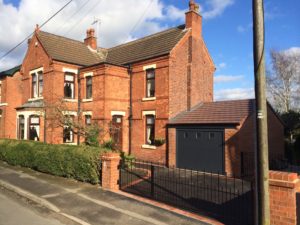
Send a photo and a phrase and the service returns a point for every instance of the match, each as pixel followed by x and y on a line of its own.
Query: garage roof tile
pixel 220 112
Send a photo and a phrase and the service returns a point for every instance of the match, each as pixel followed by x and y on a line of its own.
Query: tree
pixel 283 80
pixel 292 122
pixel 59 115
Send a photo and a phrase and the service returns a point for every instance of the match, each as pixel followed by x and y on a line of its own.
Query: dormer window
pixel 150 83
pixel 37 84
pixel 69 86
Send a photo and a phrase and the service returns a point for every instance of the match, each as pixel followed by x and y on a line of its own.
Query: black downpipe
pixel 78 105
pixel 130 108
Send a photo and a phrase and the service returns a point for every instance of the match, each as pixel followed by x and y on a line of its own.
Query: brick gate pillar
pixel 110 170
pixel 283 191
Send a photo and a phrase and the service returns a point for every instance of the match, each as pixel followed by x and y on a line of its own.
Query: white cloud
pixel 234 94
pixel 292 51
pixel 216 8
pixel 222 65
pixel 174 13
pixel 227 78
pixel 118 18
pixel 243 29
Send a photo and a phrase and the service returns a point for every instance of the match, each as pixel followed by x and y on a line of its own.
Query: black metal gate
pixel 228 200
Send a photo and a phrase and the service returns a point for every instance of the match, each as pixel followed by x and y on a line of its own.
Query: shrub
pixel 78 162
pixel 109 144
pixel 159 141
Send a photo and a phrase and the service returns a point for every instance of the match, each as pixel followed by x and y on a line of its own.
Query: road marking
pixel 75 219
pixel 50 195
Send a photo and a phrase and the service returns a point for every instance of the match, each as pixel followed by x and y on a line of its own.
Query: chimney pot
pixel 193 20
pixel 90 39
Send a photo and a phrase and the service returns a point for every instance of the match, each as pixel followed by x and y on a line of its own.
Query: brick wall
pixel 110 96
pixel 11 94
pixel 245 141
pixel 172 147
pixel 283 189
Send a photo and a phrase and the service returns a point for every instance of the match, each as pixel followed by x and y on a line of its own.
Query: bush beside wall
pixel 79 162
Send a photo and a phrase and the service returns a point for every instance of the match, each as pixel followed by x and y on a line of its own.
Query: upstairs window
pixel 37 84
pixel 89 87
pixel 150 83
pixel 69 86
pixel 150 129
pixel 41 83
pixel 34 86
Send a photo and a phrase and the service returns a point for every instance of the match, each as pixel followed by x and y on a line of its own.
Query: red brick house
pixel 140 87
pixel 10 98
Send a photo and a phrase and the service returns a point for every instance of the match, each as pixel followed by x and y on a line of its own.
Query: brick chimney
pixel 193 19
pixel 90 39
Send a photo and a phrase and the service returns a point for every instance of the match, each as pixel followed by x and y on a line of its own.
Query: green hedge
pixel 78 162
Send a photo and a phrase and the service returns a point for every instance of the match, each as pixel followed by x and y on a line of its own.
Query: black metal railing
pixel 227 199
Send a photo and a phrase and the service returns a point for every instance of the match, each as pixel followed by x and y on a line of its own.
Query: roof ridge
pixel 60 36
pixel 233 100
pixel 146 37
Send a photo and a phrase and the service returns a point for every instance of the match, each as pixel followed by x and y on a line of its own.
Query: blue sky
pixel 227 31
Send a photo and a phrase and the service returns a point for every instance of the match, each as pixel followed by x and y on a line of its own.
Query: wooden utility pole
pixel 262 156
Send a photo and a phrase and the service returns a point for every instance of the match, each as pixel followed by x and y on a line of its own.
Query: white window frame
pixel 26 115
pixel 149 113
pixel 36 72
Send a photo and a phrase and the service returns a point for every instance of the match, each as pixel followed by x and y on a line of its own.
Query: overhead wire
pixel 80 20
pixel 26 38
pixel 142 16
pixel 75 13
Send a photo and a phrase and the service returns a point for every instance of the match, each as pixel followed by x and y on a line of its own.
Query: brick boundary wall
pixel 110 170
pixel 283 189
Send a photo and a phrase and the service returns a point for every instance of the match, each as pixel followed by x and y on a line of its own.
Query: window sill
pixel 70 143
pixel 35 99
pixel 70 100
pixel 149 146
pixel 3 104
pixel 87 100
pixel 149 99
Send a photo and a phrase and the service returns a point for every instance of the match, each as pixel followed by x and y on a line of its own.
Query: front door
pixel 117 123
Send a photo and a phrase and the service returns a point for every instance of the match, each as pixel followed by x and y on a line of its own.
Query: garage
pixel 200 149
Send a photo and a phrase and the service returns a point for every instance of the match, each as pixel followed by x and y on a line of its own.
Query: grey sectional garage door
pixel 200 149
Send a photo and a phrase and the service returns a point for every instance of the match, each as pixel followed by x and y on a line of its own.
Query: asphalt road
pixel 14 210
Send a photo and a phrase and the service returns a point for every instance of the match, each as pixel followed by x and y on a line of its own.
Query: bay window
pixel 34 128
pixel 21 127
